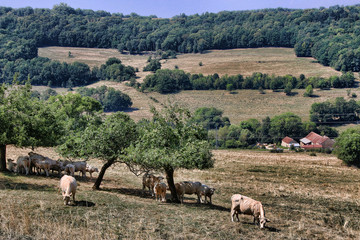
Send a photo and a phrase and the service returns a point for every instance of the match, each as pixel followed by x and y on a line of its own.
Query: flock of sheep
pixel 239 204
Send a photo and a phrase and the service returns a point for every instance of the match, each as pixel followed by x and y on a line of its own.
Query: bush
pixel 112 100
pixel 152 66
pixel 312 154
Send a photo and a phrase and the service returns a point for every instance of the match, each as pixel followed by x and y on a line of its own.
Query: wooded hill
pixel 328 34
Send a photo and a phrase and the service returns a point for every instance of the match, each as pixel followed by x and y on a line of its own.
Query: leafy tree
pixel 288 89
pixel 169 142
pixel 152 66
pixel 106 141
pixel 286 124
pixel 210 118
pixel 110 99
pixel 308 91
pixel 347 146
pixel 25 121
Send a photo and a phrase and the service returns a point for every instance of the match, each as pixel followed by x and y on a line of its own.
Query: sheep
pixel 68 187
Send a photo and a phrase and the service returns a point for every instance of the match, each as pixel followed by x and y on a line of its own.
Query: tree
pixel 308 91
pixel 288 89
pixel 153 65
pixel 347 146
pixel 105 141
pixel 169 142
pixel 286 124
pixel 210 118
pixel 25 121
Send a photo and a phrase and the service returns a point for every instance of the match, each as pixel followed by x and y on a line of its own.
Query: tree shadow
pixel 130 192
pixel 130 109
pixel 207 206
pixel 146 194
pixel 292 94
pixel 11 185
pixel 83 204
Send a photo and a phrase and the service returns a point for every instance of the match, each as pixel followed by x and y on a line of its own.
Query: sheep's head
pixel 66 199
pixel 263 221
pixel 211 191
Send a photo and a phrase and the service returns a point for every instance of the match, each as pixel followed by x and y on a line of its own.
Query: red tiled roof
pixel 288 140
pixel 316 138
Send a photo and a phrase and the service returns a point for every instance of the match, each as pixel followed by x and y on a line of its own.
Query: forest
pixel 328 34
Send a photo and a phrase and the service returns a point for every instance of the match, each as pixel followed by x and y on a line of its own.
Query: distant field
pixel 305 197
pixel 241 105
pixel 277 61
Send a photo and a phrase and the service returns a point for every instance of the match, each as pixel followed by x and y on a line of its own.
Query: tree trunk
pixel 102 173
pixel 170 180
pixel 3 158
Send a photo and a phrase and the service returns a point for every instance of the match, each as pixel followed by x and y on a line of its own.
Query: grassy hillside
pixel 304 197
pixel 240 106
pixel 278 61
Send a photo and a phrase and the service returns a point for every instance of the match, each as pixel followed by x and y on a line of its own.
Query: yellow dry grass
pixel 305 197
pixel 241 105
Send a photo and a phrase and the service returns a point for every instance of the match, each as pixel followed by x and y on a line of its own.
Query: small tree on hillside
pixel 168 142
pixel 25 121
pixel 308 91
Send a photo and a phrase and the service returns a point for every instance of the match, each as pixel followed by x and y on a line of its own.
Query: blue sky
pixel 170 8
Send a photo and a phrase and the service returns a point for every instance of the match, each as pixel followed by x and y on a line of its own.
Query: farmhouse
pixel 314 140
pixel 288 142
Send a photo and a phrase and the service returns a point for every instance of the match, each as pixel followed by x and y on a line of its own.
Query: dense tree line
pixel 328 34
pixel 338 111
pixel 112 100
pixel 43 71
pixel 167 81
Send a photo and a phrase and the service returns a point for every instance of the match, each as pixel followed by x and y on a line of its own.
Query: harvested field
pixel 305 197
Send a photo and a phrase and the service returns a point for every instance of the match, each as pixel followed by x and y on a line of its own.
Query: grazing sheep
pixel 70 169
pixel 207 192
pixel 192 188
pixel 91 169
pixel 68 187
pixel 248 206
pixel 80 167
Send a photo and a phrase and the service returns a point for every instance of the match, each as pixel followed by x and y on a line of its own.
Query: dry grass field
pixel 277 61
pixel 305 197
pixel 240 105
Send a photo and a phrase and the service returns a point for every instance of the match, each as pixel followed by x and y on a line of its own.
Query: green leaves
pixel 347 147
pixel 170 142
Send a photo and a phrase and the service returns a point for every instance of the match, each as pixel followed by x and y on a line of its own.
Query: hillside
pixel 304 197
pixel 238 106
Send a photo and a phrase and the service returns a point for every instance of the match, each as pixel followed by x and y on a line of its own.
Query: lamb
pixel 160 191
pixel 68 187
pixel 11 165
pixel 149 181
